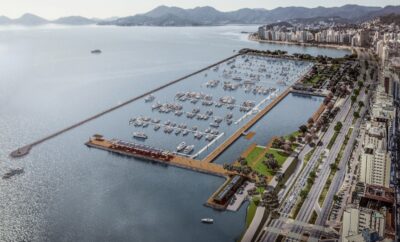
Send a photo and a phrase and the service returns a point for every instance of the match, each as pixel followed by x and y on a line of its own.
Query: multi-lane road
pixel 301 181
pixel 345 115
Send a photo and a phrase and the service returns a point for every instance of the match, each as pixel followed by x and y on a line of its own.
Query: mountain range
pixel 208 16
pixel 31 19
pixel 200 16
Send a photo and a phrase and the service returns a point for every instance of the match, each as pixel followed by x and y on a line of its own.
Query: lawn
pixel 279 155
pixel 254 154
pixel 251 210
pixel 263 169
pixel 314 80
pixel 332 141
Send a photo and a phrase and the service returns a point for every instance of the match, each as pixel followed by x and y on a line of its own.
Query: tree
pixel 303 194
pixel 303 128
pixel 292 138
pixel 360 104
pixel 330 106
pixel 310 121
pixel 356 114
pixel 287 147
pixel 333 167
pixel 338 126
pixel 308 138
pixel 242 161
pixel 272 164
pixel 336 198
pixel 353 99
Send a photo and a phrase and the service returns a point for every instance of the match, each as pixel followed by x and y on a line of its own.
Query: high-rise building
pixel 375 161
pixel 364 38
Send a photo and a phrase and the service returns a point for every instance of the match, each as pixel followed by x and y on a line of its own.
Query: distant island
pixel 208 16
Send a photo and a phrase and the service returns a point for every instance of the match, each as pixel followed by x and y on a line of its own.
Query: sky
pixel 52 9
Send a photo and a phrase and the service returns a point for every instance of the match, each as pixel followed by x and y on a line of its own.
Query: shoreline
pixel 339 47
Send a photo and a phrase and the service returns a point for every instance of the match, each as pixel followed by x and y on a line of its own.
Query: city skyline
pixel 104 9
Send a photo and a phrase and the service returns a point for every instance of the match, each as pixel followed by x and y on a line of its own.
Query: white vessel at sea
pixel 207 220
pixel 139 135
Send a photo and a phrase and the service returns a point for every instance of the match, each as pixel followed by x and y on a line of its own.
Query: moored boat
pixel 181 146
pixel 139 135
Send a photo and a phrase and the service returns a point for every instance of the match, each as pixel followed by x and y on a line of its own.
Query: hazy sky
pixel 106 8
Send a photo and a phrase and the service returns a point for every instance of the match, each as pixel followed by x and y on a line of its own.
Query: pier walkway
pixel 215 153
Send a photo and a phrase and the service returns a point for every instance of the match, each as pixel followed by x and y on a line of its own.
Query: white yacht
pixel 181 146
pixel 188 149
pixel 139 135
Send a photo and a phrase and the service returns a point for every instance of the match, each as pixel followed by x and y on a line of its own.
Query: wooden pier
pixel 176 160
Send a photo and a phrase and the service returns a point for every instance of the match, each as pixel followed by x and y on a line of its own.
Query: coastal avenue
pixel 291 198
pixel 313 196
pixel 311 202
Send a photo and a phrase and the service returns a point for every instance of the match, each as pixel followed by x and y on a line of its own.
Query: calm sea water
pixel 49 79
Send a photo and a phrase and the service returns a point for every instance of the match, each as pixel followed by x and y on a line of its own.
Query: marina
pixel 211 109
pixel 207 124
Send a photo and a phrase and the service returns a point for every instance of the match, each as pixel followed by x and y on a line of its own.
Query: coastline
pixel 339 47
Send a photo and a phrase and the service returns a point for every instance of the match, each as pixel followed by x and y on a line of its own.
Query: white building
pixel 355 220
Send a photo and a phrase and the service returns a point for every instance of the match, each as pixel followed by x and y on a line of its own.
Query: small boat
pixel 218 120
pixel 149 98
pixel 181 146
pixel 146 119
pixel 178 131
pixel 198 135
pixel 139 135
pixel 157 127
pixel 185 132
pixel 96 51
pixel 188 149
pixel 178 113
pixel 156 106
pixel 214 125
pixel 13 172
pixel 210 137
pixel 207 220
